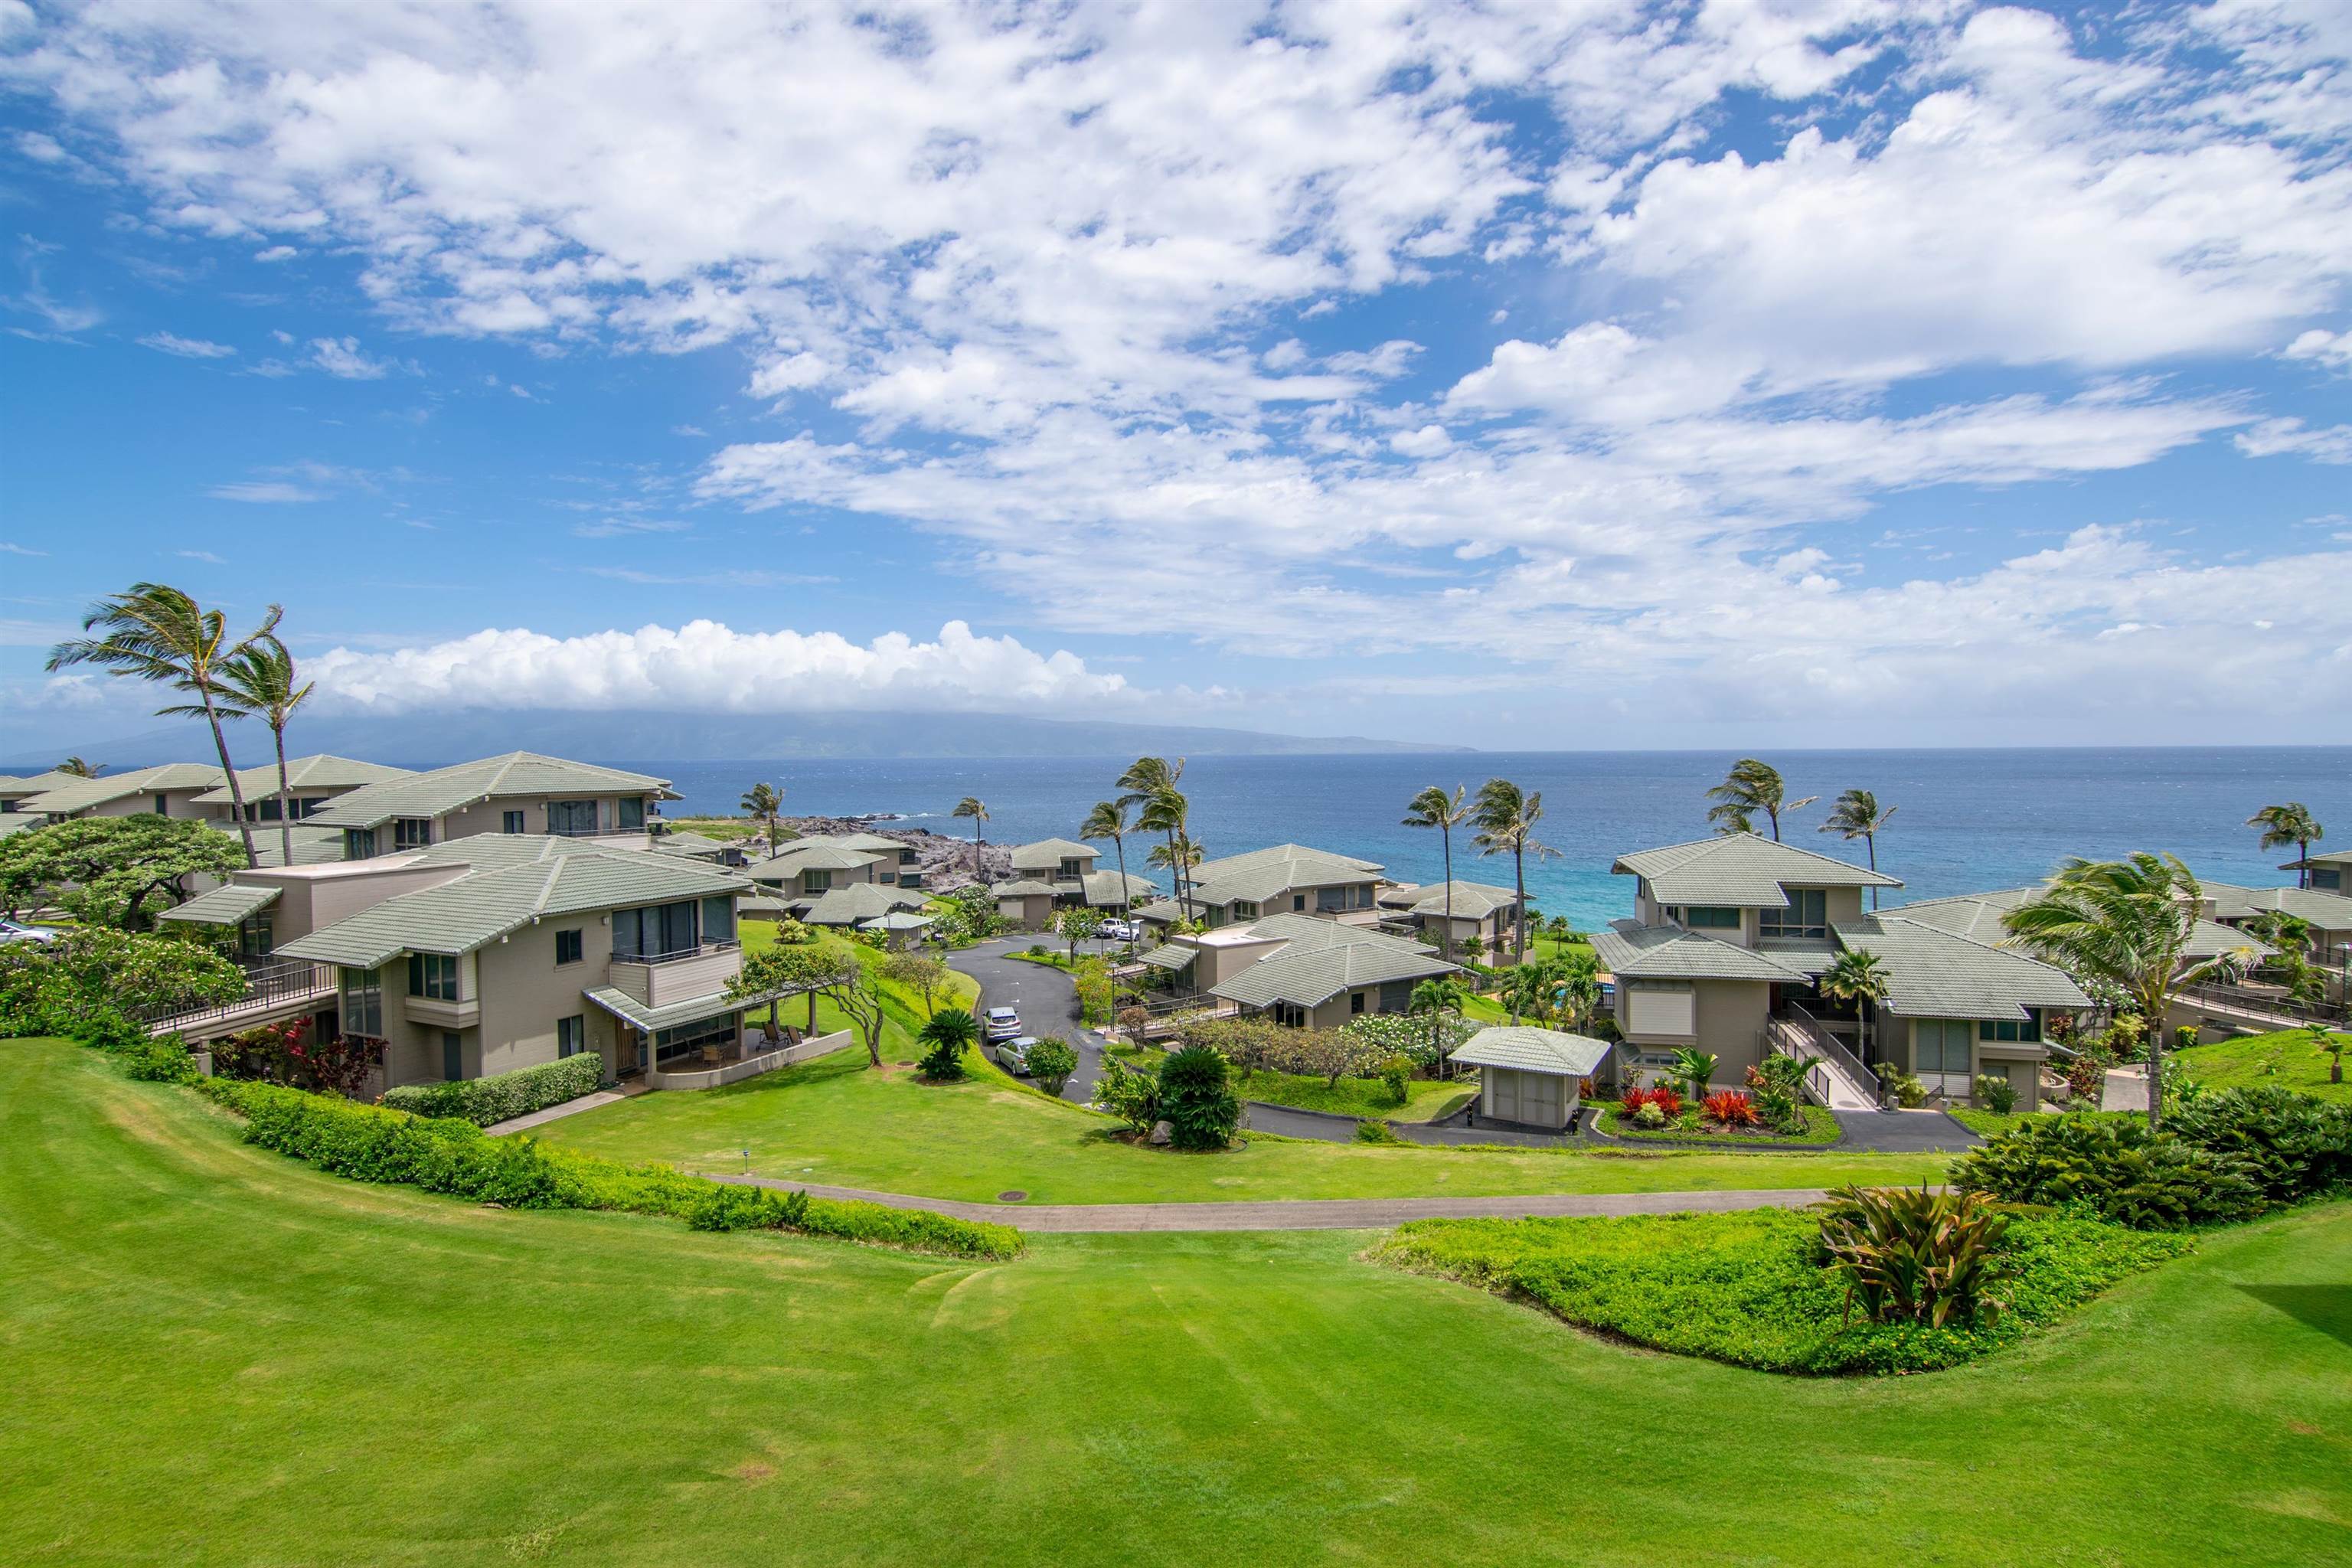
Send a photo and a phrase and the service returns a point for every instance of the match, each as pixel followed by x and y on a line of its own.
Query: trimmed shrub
pixel 445 1155
pixel 1397 1078
pixel 2291 1144
pixel 2117 1170
pixel 501 1096
pixel 160 1061
pixel 1995 1093
pixel 1197 1099
pixel 1051 1062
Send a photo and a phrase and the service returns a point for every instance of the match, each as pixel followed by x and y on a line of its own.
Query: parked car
pixel 1121 930
pixel 1013 1054
pixel 13 931
pixel 1004 1023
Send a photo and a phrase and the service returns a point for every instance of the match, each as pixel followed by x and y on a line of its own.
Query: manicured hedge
pixel 1749 1289
pixel 484 1100
pixel 446 1154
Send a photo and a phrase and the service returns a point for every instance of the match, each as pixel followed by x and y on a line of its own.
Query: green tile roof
pixel 1977 916
pixel 1307 977
pixel 81 794
pixel 1022 888
pixel 224 906
pixel 897 920
pixel 1533 1050
pixel 444 790
pixel 794 859
pixel 858 903
pixel 670 1015
pixel 1047 854
pixel 2323 910
pixel 1171 956
pixel 1471 900
pixel 1102 890
pixel 1740 870
pixel 1631 951
pixel 317 772
pixel 1932 973
pixel 1275 854
pixel 1306 933
pixel 474 910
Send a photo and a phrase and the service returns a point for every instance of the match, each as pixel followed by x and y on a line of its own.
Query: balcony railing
pixel 2256 1002
pixel 265 986
pixel 700 950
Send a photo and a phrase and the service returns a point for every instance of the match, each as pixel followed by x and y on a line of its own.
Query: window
pixel 659 930
pixel 629 813
pixel 906 857
pixel 1941 1045
pixel 1329 898
pixel 1244 908
pixel 572 1034
pixel 1806 916
pixel 1297 901
pixel 253 936
pixel 163 805
pixel 718 919
pixel 567 947
pixel 2333 880
pixel 360 1003
pixel 813 881
pixel 2011 1030
pixel 412 833
pixel 684 1038
pixel 359 843
pixel 453 1057
pixel 1710 917
pixel 433 977
pixel 1072 870
pixel 510 822
pixel 1289 1013
pixel 572 818
pixel 263 810
pixel 1355 1001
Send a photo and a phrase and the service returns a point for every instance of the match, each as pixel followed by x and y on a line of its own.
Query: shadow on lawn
pixel 2328 1308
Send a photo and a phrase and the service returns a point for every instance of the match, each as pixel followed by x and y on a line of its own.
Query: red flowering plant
pixel 1668 1102
pixel 339 1066
pixel 1729 1108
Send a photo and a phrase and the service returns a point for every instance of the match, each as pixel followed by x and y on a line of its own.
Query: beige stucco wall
pixel 1727 1020
pixel 489 816
pixel 1894 1037
pixel 313 896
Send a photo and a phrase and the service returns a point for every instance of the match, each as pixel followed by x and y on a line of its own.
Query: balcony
pixel 439 1015
pixel 660 980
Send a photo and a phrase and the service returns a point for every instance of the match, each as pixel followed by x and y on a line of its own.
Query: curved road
pixel 1045 997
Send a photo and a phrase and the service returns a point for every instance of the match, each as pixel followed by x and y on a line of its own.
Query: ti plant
pixel 1695 1068
pixel 1924 1256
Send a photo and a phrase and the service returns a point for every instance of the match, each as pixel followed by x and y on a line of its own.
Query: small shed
pixel 1531 1077
pixel 898 928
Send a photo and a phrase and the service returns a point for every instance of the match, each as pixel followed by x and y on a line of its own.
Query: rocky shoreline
pixel 946 863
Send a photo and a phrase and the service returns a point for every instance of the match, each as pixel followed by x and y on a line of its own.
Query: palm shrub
pixel 2116 1168
pixel 1924 1256
pixel 2291 1144
pixel 1695 1068
pixel 947 1033
pixel 1128 1093
pixel 1197 1099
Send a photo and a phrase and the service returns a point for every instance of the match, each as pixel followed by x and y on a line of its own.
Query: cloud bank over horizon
pixel 1691 366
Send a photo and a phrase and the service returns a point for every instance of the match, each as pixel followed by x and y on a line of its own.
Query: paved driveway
pixel 1045 998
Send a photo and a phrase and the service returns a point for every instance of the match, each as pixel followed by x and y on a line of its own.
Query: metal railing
pixel 699 950
pixel 2266 1004
pixel 1816 1037
pixel 289 980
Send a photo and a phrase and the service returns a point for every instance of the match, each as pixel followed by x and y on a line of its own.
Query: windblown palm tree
pixel 1437 998
pixel 2289 824
pixel 1749 787
pixel 259 682
pixel 1507 817
pixel 1109 820
pixel 972 806
pixel 1433 807
pixel 1151 785
pixel 761 803
pixel 80 768
pixel 1857 977
pixel 155 632
pixel 1178 857
pixel 2124 927
pixel 1858 814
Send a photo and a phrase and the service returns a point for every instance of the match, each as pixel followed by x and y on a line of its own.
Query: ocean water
pixel 1966 820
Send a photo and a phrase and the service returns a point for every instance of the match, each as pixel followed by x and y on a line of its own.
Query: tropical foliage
pixel 1433 807
pixel 1751 788
pixel 946 1036
pixel 1197 1099
pixel 92 984
pixel 1923 1257
pixel 2289 824
pixel 1858 814
pixel 259 681
pixel 112 870
pixel 1506 816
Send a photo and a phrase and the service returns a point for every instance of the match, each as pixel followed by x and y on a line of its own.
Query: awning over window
pixel 693 1010
pixel 223 906
pixel 1171 956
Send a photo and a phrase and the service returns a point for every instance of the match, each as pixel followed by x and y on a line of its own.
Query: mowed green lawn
pixel 2288 1058
pixel 215 1355
pixel 836 1121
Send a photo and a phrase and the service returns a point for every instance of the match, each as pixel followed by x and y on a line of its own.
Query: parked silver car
pixel 1003 1024
pixel 13 931
pixel 1013 1054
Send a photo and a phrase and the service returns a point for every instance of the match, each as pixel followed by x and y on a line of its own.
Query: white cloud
pixel 207 556
pixel 341 357
pixel 186 348
pixel 276 253
pixel 621 527
pixel 733 577
pixel 2273 436
pixel 264 491
pixel 6 549
pixel 705 666
pixel 2333 349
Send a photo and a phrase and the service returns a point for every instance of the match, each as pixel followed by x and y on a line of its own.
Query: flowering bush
pixel 1730 1107
pixel 1669 1101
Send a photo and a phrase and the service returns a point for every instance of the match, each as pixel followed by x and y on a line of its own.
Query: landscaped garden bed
pixel 1751 1289
pixel 1731 1118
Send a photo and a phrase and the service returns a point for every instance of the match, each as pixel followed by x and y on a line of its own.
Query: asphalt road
pixel 1045 998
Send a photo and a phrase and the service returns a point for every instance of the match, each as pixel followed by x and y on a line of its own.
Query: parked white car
pixel 1004 1023
pixel 13 931
pixel 1013 1054
pixel 1122 931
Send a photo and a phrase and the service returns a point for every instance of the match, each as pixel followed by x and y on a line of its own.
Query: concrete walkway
pixel 556 1112
pixel 1324 1213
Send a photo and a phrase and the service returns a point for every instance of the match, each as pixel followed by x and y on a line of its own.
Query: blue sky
pixel 1827 373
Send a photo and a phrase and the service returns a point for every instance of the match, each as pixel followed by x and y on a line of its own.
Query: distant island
pixel 699 737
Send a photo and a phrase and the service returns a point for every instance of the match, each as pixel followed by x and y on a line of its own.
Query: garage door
pixel 1527 1096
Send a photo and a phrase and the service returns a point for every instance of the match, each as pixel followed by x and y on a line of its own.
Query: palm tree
pixel 2124 927
pixel 1178 857
pixel 972 806
pixel 1730 820
pixel 155 632
pixel 1857 815
pixel 1433 807
pixel 761 802
pixel 1857 975
pixel 2289 824
pixel 1749 787
pixel 1109 820
pixel 1507 817
pixel 1150 783
pixel 80 768
pixel 258 682
pixel 1438 998
pixel 1536 988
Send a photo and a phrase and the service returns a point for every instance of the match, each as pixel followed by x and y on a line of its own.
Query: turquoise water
pixel 1966 820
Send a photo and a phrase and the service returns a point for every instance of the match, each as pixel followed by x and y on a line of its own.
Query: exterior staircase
pixel 1838 1078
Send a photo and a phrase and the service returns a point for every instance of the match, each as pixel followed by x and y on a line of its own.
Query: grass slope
pixel 1426 1099
pixel 215 1355
pixel 834 1121
pixel 2287 1058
